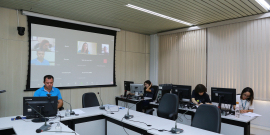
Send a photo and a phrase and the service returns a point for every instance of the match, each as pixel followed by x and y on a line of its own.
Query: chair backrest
pixel 207 117
pixel 89 100
pixel 168 106
pixel 156 91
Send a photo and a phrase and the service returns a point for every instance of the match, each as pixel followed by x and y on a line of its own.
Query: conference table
pixel 94 121
pixel 230 124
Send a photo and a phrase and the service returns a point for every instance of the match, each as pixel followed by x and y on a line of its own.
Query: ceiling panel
pixel 116 14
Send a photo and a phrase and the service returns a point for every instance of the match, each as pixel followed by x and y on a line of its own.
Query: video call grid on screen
pixel 73 57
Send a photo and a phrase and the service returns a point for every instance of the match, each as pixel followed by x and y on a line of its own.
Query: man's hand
pixel 60 103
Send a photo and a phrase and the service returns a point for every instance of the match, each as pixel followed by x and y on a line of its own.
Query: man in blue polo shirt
pixel 49 89
pixel 40 59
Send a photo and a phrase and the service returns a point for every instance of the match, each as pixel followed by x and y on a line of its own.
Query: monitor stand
pixel 40 118
pixel 37 120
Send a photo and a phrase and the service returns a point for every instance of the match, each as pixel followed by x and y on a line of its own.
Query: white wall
pixel 262 108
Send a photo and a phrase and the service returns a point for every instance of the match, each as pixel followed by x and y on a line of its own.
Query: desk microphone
pixel 44 127
pixel 176 130
pixel 101 107
pixel 71 112
pixel 127 116
pixel 2 91
pixel 38 131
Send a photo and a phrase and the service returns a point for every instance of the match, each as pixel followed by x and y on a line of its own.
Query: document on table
pixel 78 111
pixel 250 114
pixel 109 105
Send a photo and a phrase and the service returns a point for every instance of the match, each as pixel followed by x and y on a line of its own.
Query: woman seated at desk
pixel 245 100
pixel 199 95
pixel 148 92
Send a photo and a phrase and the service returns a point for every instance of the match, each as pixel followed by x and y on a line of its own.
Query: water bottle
pixel 67 114
pixel 58 128
pixel 237 110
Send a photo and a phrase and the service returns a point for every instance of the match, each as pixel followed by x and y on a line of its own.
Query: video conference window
pixel 87 48
pixel 105 49
pixel 76 58
pixel 42 51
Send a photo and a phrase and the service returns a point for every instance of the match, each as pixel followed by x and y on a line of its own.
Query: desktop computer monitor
pixel 182 91
pixel 137 88
pixel 47 106
pixel 223 95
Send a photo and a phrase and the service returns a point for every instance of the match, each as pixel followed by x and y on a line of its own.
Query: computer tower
pixel 127 86
pixel 163 89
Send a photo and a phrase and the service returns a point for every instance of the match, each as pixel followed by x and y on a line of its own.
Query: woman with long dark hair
pixel 84 49
pixel 245 100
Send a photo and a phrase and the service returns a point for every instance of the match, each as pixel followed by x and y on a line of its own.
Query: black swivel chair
pixel 168 107
pixel 207 117
pixel 89 100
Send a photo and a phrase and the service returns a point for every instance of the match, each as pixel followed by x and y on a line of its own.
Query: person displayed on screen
pixel 84 49
pixel 105 50
pixel 44 46
pixel 40 59
pixel 245 100
pixel 49 89
pixel 199 95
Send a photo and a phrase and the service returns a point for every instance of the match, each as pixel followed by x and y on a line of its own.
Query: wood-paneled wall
pixel 131 64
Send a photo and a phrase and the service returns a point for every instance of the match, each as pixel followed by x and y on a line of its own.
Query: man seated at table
pixel 49 89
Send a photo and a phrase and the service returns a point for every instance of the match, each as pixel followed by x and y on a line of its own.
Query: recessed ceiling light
pixel 263 3
pixel 157 14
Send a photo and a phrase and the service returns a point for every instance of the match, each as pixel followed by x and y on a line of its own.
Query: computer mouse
pixel 18 117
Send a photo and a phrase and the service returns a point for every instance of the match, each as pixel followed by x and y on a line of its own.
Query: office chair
pixel 168 107
pixel 207 117
pixel 89 100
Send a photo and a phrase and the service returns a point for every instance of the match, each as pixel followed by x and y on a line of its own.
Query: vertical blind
pixel 238 57
pixel 182 58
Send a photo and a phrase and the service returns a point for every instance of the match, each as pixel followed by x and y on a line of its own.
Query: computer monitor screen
pixel 183 92
pixel 223 95
pixel 127 85
pixel 47 106
pixel 137 88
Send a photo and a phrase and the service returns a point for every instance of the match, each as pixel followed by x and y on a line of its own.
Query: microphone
pixel 39 131
pixel 71 112
pixel 127 116
pixel 101 107
pixel 44 127
pixel 2 91
pixel 176 130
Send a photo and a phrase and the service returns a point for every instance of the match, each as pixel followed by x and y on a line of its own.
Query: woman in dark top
pixel 199 95
pixel 148 92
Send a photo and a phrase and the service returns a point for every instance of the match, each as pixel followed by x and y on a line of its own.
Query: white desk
pixel 229 124
pixel 102 123
pixel 21 127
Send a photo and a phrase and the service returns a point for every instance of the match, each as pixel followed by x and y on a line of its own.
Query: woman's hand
pixel 243 111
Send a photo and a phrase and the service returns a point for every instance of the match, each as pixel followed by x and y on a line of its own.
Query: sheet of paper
pixel 109 105
pixel 78 111
pixel 114 108
pixel 250 114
